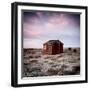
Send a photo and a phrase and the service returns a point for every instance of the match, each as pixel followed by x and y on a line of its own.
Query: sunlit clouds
pixel 41 26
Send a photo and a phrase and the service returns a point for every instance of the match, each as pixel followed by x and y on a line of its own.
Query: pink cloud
pixel 60 21
pixel 32 31
pixel 57 21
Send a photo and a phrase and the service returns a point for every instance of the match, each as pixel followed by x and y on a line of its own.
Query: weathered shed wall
pixel 53 48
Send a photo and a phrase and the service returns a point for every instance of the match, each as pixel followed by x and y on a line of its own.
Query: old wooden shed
pixel 53 47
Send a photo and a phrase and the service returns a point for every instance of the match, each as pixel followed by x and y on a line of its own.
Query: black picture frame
pixel 14 43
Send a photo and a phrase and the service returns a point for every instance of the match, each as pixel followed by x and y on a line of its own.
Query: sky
pixel 42 26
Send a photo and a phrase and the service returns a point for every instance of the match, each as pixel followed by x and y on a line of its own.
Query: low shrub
pixel 74 50
pixel 69 48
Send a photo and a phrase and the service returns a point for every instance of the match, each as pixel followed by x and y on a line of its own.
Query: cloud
pixel 39 27
pixel 32 31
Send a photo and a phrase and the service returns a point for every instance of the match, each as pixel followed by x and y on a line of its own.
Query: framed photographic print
pixel 49 44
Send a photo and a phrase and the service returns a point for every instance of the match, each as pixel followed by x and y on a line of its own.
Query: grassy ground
pixel 36 64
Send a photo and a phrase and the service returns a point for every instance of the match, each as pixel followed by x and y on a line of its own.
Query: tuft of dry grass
pixel 60 56
pixel 46 57
pixel 33 61
pixel 34 56
pixel 52 71
pixel 53 59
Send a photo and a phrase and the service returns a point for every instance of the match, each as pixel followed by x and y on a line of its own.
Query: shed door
pixel 56 48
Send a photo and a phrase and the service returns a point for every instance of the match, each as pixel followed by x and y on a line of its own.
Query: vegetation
pixel 36 64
